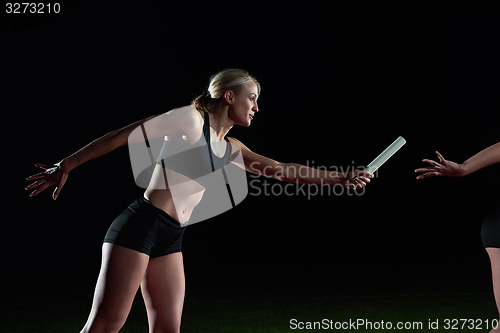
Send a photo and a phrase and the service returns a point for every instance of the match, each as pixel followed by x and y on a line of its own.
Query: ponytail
pixel 229 79
pixel 205 103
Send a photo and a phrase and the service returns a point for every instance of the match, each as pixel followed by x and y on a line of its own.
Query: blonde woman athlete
pixel 143 245
pixel 490 229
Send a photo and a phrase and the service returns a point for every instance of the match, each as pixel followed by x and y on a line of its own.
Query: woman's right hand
pixel 55 175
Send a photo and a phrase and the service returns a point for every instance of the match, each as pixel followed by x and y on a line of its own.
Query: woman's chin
pixel 245 123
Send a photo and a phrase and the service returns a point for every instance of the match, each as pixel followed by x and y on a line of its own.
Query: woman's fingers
pixel 35 184
pixel 429 174
pixel 362 173
pixel 360 179
pixel 431 162
pixel 357 182
pixel 39 189
pixel 441 158
pixel 425 169
pixel 44 181
pixel 59 187
pixel 51 176
pixel 360 183
pixel 438 169
pixel 365 180
pixel 37 176
pixel 42 166
pixel 56 192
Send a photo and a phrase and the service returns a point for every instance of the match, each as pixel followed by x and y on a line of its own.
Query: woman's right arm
pixel 178 121
pixel 58 174
pixel 101 146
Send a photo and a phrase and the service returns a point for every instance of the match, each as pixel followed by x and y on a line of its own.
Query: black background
pixel 338 85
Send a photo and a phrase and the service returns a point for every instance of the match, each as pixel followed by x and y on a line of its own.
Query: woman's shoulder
pixel 185 113
pixel 237 143
pixel 180 121
pixel 186 118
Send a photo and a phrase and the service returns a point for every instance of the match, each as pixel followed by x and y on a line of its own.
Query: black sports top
pixel 196 160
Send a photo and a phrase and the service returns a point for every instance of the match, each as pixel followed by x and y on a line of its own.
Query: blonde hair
pixel 229 79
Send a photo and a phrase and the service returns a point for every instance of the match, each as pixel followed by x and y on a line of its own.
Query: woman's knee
pixel 168 328
pixel 105 322
pixel 111 319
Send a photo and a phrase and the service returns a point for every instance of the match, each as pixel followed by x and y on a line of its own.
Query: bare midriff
pixel 177 197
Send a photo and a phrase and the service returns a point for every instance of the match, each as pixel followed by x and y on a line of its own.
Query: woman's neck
pixel 220 123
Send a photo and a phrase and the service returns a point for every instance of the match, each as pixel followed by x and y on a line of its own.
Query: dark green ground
pixel 261 314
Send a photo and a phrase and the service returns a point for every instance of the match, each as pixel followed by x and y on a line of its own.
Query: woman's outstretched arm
pixel 445 168
pixel 181 120
pixel 297 173
pixel 58 173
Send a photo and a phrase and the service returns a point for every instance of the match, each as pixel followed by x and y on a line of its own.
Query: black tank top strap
pixel 206 132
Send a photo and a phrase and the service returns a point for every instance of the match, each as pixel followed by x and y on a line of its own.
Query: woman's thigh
pixel 122 271
pixel 494 254
pixel 163 290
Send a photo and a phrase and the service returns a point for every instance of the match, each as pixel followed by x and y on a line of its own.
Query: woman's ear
pixel 228 96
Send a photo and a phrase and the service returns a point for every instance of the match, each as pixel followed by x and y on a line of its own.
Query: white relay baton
pixel 381 159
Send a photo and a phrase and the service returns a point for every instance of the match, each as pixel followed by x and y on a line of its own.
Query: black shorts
pixel 147 229
pixel 490 230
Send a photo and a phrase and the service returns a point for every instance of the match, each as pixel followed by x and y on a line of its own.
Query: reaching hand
pixel 51 176
pixel 442 168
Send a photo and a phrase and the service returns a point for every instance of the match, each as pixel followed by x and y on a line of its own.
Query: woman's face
pixel 244 105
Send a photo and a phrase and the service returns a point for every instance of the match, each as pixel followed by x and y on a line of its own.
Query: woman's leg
pixel 494 254
pixel 163 291
pixel 122 271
